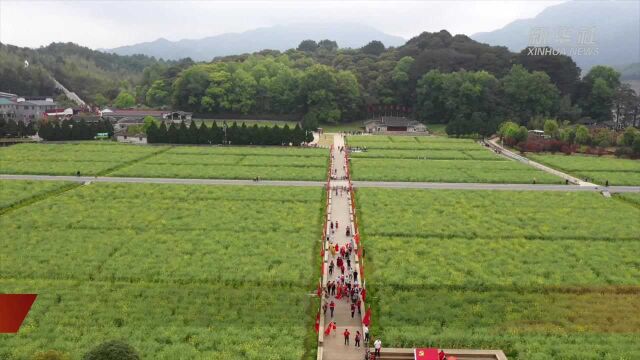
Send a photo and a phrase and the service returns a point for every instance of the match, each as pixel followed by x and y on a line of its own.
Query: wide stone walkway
pixel 333 344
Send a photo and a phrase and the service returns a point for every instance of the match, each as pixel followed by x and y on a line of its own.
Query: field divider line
pixel 39 197
pixel 131 162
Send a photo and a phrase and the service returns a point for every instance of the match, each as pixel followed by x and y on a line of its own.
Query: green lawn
pixel 436 159
pixel 67 159
pixel 13 192
pixel 538 274
pixel 233 163
pixel 217 162
pixel 597 169
pixel 198 272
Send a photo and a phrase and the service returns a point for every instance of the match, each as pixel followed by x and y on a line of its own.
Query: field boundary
pixel 39 197
pixel 131 162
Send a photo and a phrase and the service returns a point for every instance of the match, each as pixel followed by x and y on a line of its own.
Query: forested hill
pixel 439 77
pixel 82 70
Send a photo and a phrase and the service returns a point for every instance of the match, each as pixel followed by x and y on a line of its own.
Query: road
pixel 357 184
pixel 493 143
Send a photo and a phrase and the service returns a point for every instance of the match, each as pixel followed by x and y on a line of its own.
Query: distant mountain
pixel 280 37
pixel 615 24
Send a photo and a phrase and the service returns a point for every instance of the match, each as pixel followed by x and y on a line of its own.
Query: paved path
pixel 493 143
pixel 362 184
pixel 333 344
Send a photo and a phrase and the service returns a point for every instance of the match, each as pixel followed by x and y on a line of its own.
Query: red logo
pixel 13 310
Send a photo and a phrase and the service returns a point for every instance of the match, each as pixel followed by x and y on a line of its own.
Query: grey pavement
pixel 340 210
pixel 361 184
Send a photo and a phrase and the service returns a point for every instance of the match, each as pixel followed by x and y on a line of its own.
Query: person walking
pixel 331 268
pixel 365 329
pixel 377 346
pixel 332 307
pixel 357 338
pixel 324 309
pixel 346 334
pixel 353 309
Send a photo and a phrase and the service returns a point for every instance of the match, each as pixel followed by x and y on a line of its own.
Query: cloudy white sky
pixel 107 24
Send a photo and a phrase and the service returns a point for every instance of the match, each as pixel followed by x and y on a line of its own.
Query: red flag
pixel 317 322
pixel 367 316
pixel 331 326
pixel 426 354
pixel 357 238
pixel 364 291
pixel 13 310
pixel 322 251
pixel 319 291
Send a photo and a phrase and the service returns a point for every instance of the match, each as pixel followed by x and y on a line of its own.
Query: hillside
pixel 281 37
pixel 82 70
pixel 615 26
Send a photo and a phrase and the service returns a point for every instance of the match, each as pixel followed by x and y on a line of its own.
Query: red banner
pixel 426 354
pixel 318 322
pixel 367 317
pixel 13 310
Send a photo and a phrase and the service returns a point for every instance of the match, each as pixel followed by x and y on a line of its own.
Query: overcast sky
pixel 107 24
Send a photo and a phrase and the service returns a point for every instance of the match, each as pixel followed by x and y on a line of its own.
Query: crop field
pixel 597 169
pixel 67 159
pixel 538 274
pixel 633 198
pixel 179 271
pixel 436 159
pixel 233 163
pixel 15 191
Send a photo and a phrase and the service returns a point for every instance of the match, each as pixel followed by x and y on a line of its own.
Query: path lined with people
pixel 342 304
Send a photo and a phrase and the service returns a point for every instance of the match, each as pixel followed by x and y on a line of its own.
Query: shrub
pixel 112 350
pixel 50 355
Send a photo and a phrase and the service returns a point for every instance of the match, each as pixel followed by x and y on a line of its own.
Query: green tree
pixel 374 47
pixel 551 128
pixel 528 95
pixel 100 100
pixel 159 94
pixel 124 100
pixel 582 135
pixel 308 45
pixel 596 92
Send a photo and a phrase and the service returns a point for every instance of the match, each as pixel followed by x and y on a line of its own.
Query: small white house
pixel 139 138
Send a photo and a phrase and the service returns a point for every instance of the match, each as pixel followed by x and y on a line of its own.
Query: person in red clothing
pixel 358 305
pixel 346 334
pixel 353 309
pixel 332 307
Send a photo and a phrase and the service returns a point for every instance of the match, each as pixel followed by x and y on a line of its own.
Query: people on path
pixel 365 329
pixel 357 338
pixel 377 346
pixel 332 307
pixel 346 334
pixel 353 309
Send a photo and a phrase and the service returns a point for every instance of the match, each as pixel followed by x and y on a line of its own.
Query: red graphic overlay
pixel 13 310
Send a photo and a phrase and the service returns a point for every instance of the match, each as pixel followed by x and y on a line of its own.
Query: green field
pixel 269 123
pixel 198 272
pixel 233 163
pixel 436 159
pixel 540 275
pixel 13 192
pixel 66 159
pixel 240 162
pixel 597 169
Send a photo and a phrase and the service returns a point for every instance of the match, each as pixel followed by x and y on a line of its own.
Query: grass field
pixel 233 163
pixel 436 159
pixel 198 272
pixel 13 192
pixel 67 159
pixel 540 275
pixel 597 169
pixel 275 163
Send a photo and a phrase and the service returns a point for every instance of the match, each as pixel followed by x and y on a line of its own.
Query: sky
pixel 108 24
